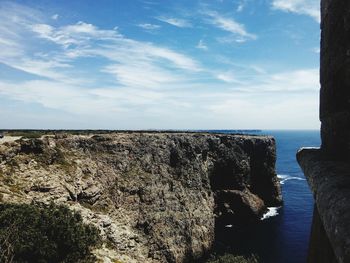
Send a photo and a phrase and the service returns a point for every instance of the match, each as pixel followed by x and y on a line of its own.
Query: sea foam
pixel 271 211
pixel 284 177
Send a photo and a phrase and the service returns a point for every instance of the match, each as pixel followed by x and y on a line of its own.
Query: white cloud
pixel 264 112
pixel 55 16
pixel 282 100
pixel 227 77
pixel 253 80
pixel 264 106
pixel 84 40
pixel 241 5
pixel 178 59
pixel 178 22
pixel 302 80
pixel 302 7
pixel 116 47
pixel 14 19
pixel 75 34
pixel 202 45
pixel 58 96
pixel 298 80
pixel 230 25
pixel 143 75
pixel 44 68
pixel 316 50
pixel 147 26
pixel 127 83
pixel 139 73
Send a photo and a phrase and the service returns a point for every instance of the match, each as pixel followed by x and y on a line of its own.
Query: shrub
pixel 44 233
pixel 229 258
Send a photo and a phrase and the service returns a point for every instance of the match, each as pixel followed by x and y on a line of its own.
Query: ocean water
pixel 283 235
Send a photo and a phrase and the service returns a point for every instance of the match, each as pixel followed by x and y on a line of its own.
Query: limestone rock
pixel 154 196
pixel 238 207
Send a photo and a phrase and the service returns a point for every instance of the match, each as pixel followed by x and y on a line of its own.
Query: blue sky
pixel 147 64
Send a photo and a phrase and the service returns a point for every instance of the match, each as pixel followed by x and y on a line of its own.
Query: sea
pixel 282 236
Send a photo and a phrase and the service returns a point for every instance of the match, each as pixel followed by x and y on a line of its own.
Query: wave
pixel 284 177
pixel 271 212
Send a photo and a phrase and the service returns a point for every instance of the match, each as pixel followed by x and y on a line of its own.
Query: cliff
pixel 155 197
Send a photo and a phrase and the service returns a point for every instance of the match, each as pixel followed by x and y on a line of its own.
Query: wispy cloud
pixel 86 40
pixel 13 23
pixel 76 34
pixel 178 22
pixel 112 45
pixel 230 25
pixel 202 45
pixel 228 77
pixel 254 79
pixel 241 5
pixel 139 73
pixel 86 72
pixel 276 95
pixel 297 80
pixel 316 50
pixel 302 7
pixel 301 111
pixel 55 16
pixel 77 99
pixel 147 26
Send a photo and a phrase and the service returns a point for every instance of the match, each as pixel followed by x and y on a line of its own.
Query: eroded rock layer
pixel 154 196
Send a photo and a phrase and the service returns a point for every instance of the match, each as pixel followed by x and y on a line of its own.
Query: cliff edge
pixel 155 197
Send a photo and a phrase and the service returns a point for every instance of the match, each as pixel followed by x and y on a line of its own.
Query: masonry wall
pixel 328 170
pixel 335 78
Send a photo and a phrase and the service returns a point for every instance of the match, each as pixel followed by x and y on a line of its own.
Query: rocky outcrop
pixel 154 196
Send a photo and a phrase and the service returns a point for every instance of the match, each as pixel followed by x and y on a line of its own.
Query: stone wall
pixel 320 249
pixel 335 78
pixel 328 170
pixel 329 181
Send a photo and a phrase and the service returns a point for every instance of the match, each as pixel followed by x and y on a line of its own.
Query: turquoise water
pixel 282 238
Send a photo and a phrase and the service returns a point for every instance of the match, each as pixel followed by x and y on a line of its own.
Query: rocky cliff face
pixel 154 196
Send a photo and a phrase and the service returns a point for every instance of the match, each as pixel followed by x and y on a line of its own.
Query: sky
pixel 147 64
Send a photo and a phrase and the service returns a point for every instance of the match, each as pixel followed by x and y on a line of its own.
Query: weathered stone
pixel 328 169
pixel 238 207
pixel 335 78
pixel 330 183
pixel 320 249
